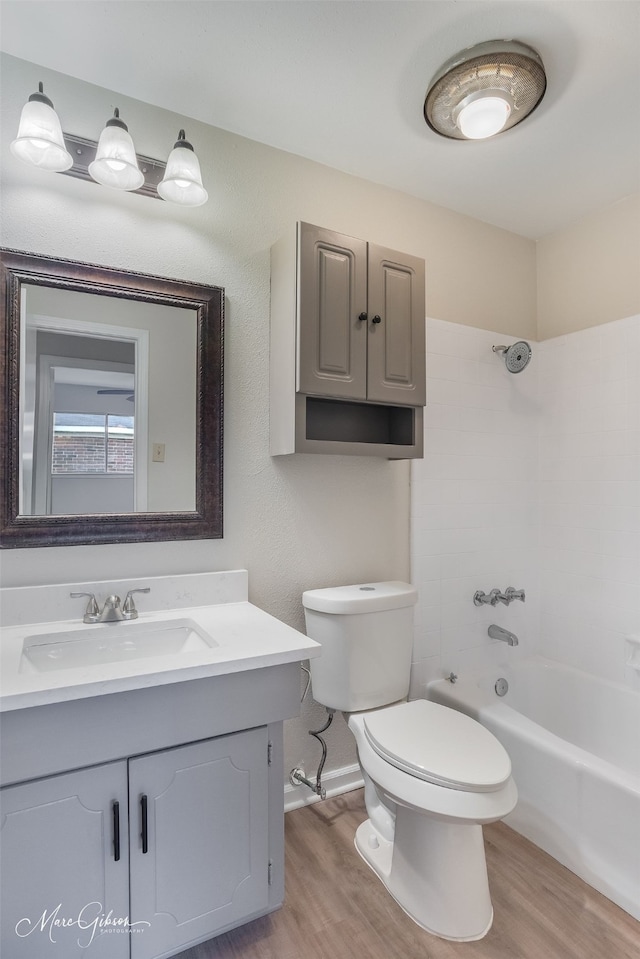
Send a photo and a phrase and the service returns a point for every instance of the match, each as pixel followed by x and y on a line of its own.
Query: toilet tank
pixel 366 633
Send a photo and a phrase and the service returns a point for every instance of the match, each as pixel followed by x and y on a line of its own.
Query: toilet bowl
pixel 426 808
pixel 432 775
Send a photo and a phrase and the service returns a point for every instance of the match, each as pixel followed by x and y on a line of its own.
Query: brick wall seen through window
pixel 92 443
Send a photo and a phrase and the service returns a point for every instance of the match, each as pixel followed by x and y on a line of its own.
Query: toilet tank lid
pixel 360 598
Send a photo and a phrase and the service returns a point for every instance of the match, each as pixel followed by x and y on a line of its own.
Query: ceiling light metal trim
pixel 508 66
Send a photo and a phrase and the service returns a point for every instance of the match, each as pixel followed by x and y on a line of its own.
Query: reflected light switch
pixel 158 453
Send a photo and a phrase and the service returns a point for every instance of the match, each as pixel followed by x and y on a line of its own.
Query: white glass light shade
pixel 483 117
pixel 182 181
pixel 40 141
pixel 115 164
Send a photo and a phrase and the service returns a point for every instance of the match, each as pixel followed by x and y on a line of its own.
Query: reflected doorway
pixel 85 452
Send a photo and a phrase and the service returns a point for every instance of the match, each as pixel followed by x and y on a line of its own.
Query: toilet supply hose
pixel 297 777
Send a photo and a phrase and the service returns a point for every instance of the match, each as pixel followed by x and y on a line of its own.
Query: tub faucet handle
pixel 512 594
pixel 502 598
pixel 481 598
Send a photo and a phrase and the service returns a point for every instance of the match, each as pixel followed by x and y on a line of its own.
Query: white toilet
pixel 432 775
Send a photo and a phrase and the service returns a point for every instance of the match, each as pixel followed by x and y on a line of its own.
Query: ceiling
pixel 344 83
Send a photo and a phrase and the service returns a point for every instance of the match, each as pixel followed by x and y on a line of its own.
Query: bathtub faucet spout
pixel 497 632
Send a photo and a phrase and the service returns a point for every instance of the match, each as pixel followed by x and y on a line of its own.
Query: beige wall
pixel 302 521
pixel 294 522
pixel 590 274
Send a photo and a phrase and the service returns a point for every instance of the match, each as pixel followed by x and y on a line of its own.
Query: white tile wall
pixel 533 481
pixel 590 497
pixel 474 503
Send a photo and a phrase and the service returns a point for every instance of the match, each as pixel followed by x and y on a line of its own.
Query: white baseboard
pixel 335 782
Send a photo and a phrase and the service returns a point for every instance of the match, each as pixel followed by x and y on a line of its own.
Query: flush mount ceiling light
pixel 485 90
pixel 112 161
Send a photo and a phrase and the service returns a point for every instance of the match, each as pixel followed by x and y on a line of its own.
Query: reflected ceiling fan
pixel 130 394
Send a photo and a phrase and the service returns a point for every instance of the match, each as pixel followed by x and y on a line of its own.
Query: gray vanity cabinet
pixel 347 346
pixel 176 842
pixel 206 866
pixel 59 868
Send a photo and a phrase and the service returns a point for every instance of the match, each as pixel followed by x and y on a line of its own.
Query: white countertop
pixel 247 638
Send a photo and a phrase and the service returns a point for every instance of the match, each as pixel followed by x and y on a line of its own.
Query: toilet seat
pixel 439 745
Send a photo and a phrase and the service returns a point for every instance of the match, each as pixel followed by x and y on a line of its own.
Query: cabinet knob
pixel 376 319
pixel 363 317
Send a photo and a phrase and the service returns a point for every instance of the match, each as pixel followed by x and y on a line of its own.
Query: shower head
pixel 516 356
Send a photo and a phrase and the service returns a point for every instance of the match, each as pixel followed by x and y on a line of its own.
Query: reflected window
pixel 92 443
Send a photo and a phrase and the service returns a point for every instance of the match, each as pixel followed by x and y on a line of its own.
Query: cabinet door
pixel 332 294
pixel 206 862
pixel 60 877
pixel 396 342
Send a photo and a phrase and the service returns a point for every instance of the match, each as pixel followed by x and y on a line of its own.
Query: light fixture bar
pixel 83 152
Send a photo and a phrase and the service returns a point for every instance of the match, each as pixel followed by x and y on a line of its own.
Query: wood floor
pixel 336 908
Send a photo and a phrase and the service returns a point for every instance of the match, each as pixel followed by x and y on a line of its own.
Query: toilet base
pixel 436 872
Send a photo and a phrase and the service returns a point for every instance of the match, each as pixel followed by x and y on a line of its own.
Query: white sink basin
pixel 112 643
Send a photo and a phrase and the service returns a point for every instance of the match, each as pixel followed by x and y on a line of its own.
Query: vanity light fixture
pixel 40 140
pixel 111 161
pixel 182 181
pixel 485 90
pixel 116 164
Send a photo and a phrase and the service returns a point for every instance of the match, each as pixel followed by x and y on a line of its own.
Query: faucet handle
pixel 486 599
pixel 129 607
pixel 511 593
pixel 91 613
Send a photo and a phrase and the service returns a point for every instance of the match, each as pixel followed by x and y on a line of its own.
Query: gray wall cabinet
pixel 347 346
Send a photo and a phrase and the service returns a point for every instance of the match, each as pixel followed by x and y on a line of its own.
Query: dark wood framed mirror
pixel 111 398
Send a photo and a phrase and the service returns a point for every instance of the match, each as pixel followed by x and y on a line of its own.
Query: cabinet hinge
pixel 269 753
pixel 270 873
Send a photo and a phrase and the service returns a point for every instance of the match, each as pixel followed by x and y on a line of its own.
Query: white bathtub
pixel 574 742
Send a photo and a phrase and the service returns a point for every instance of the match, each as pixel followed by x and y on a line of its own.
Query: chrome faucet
pixel 497 632
pixel 481 598
pixel 112 611
pixel 511 594
pixel 495 596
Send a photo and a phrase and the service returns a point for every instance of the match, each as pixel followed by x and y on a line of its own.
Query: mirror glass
pixel 112 405
pixel 108 405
